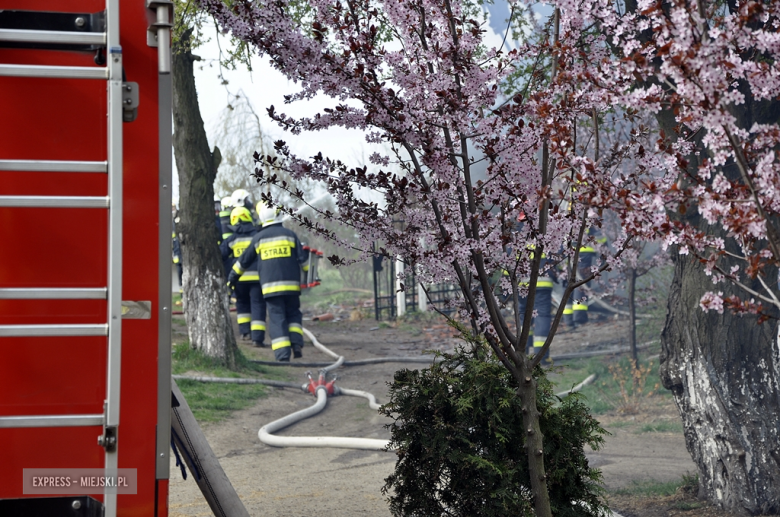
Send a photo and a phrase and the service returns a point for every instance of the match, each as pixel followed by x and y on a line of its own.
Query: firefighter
pixel 217 220
pixel 576 310
pixel 241 197
pixel 176 244
pixel 542 322
pixel 543 308
pixel 250 305
pixel 224 217
pixel 279 256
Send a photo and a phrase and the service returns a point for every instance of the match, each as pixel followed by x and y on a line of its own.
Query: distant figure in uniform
pixel 250 305
pixel 280 256
pixel 576 310
pixel 176 244
pixel 543 307
pixel 542 303
pixel 217 220
pixel 224 217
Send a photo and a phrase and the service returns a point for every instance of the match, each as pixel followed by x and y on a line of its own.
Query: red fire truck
pixel 85 281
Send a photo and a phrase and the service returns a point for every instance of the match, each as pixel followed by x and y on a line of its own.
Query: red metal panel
pixel 162 498
pixel 53 376
pixel 64 119
pixel 138 417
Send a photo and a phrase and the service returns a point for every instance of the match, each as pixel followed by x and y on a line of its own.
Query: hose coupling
pixel 328 385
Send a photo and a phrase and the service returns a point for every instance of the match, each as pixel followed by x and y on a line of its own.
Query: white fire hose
pixel 266 436
pixel 266 432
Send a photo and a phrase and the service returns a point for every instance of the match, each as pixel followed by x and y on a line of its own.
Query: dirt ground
pixel 305 481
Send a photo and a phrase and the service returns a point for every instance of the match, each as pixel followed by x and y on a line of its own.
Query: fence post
pixel 422 299
pixel 400 295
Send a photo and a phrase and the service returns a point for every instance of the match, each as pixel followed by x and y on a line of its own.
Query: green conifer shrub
pixel 460 442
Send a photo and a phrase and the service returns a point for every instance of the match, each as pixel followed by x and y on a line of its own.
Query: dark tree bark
pixel 205 299
pixel 632 315
pixel 724 373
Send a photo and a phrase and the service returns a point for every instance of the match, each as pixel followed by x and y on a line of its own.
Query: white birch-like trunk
pixel 207 312
pixel 205 298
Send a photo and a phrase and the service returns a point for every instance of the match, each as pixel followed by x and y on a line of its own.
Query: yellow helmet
pixel 240 214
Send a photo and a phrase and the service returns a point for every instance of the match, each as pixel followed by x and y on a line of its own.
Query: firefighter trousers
pixel 542 321
pixel 284 325
pixel 580 302
pixel 250 310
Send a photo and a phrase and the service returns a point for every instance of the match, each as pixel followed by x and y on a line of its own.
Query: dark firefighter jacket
pixel 279 256
pixel 224 220
pixel 234 246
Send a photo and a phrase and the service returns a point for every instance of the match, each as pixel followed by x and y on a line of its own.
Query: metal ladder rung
pixel 54 201
pixel 63 37
pixel 50 421
pixel 52 166
pixel 92 329
pixel 43 293
pixel 54 72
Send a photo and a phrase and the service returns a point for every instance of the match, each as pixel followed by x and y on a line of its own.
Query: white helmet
pixel 227 203
pixel 267 215
pixel 242 198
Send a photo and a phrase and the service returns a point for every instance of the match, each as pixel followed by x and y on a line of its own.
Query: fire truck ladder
pixel 112 73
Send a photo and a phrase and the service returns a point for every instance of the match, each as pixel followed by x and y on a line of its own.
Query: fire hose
pixel 321 389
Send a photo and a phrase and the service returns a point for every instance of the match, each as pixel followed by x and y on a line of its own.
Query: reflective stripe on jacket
pixel 279 257
pixel 224 220
pixel 235 245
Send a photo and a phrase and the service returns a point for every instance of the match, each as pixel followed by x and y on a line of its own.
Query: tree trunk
pixel 723 371
pixel 205 299
pixel 632 315
pixel 534 446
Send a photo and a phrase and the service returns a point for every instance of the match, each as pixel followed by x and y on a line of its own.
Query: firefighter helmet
pixel 227 203
pixel 242 198
pixel 267 215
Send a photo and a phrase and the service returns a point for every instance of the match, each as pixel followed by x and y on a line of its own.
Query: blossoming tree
pixel 465 163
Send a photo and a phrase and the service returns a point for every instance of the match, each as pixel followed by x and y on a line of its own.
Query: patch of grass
pixel 688 484
pixel 620 424
pixel 657 282
pixel 570 373
pixel 664 426
pixel 687 505
pixel 624 388
pixel 212 402
pixel 650 488
pixel 605 394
